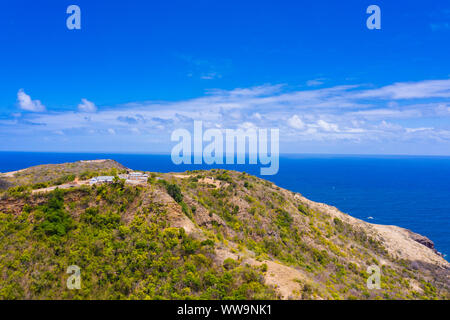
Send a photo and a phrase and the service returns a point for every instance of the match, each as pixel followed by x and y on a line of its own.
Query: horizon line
pixel 280 154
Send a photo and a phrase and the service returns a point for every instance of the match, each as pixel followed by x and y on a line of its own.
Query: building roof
pixel 105 178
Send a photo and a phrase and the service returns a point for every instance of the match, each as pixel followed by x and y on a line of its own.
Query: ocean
pixel 408 191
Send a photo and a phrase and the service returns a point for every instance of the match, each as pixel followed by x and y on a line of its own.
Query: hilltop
pixel 56 174
pixel 214 234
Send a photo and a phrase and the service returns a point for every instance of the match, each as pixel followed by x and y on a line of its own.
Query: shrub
pixel 65 179
pixel 175 192
pixel 339 224
pixel 185 209
pixel 225 177
pixel 264 267
pixel 18 192
pixel 208 242
pixel 56 220
pixel 230 264
pixel 284 219
pixel 39 185
pixel 303 210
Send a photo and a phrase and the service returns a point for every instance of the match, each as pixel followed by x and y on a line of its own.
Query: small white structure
pixel 139 176
pixel 101 179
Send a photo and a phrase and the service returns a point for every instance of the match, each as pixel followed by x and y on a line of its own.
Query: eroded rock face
pixel 423 241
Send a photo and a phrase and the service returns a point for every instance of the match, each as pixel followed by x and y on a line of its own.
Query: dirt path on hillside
pixel 286 280
pixel 76 183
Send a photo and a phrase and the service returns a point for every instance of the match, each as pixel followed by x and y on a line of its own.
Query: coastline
pixel 404 191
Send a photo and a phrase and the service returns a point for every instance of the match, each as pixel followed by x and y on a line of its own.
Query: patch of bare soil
pixel 286 280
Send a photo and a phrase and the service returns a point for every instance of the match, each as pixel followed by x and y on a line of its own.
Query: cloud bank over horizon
pixel 403 117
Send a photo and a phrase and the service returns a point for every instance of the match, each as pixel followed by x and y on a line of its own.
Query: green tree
pixel 175 192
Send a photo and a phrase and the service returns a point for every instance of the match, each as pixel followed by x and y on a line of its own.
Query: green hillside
pixel 202 235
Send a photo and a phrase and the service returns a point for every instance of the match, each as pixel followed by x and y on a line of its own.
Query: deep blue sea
pixel 411 192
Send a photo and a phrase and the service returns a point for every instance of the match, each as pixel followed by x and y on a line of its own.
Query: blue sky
pixel 137 70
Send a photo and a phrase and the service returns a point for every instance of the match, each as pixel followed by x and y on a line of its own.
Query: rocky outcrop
pixel 423 241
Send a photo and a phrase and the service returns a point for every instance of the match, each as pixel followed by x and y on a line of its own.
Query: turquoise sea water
pixel 410 192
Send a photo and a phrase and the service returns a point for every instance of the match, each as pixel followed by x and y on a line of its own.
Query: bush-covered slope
pixel 205 234
pixel 53 174
pixel 142 259
pixel 333 251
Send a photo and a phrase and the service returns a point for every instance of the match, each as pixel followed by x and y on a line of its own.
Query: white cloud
pixel 410 90
pixel 26 103
pixel 203 68
pixel 296 123
pixel 210 76
pixel 257 91
pixel 328 127
pixel 440 26
pixel 412 130
pixel 257 116
pixel 348 113
pixel 87 106
pixel 387 113
pixel 315 82
pixel 442 110
pixel 247 126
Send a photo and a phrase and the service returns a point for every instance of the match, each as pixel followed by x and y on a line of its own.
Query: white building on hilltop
pixel 101 179
pixel 139 176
